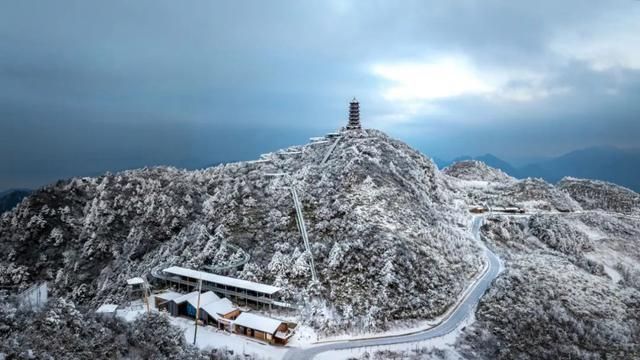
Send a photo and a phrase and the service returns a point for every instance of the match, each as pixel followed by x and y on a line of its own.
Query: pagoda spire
pixel 354 115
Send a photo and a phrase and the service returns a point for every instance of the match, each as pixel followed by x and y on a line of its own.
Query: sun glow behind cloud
pixel 417 89
pixel 439 79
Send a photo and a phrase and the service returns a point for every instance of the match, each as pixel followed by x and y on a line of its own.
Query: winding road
pixel 463 310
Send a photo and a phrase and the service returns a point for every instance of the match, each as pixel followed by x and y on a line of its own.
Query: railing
pixel 219 268
pixel 303 230
pixel 326 156
pixel 262 299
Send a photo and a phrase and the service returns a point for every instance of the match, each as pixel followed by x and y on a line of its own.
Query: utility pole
pixel 146 295
pixel 195 332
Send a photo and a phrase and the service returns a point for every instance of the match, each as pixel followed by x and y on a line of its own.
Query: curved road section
pixel 464 310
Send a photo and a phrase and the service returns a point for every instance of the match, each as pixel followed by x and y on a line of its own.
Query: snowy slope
pixel 484 185
pixel 601 195
pixel 388 234
pixel 476 170
pixel 570 289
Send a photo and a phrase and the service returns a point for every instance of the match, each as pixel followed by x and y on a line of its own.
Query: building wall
pixel 173 308
pixel 162 303
pixel 191 310
pixel 260 335
pixel 232 315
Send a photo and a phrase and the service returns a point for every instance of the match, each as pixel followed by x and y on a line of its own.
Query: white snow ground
pixel 210 337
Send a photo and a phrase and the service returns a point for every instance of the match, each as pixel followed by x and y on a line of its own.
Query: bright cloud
pixel 443 78
pixel 418 84
pixel 608 43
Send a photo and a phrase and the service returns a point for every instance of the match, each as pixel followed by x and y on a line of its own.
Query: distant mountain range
pixel 620 166
pixel 10 198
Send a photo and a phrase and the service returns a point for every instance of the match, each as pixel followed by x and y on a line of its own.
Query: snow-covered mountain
pixel 380 218
pixel 476 170
pixel 388 232
pixel 607 163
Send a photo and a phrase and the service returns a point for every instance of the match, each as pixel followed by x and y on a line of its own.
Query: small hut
pixel 186 305
pixel 162 300
pixel 270 330
pixel 108 310
pixel 179 305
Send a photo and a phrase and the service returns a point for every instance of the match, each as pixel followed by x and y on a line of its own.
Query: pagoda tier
pixel 354 115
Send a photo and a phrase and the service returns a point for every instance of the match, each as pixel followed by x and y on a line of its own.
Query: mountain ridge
pixel 607 163
pixel 12 197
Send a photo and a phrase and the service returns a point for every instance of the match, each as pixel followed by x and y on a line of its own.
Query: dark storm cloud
pixel 91 86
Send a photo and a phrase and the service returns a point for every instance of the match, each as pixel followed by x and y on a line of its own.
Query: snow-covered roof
pixel 258 322
pixel 205 298
pixel 107 308
pixel 283 335
pixel 185 297
pixel 220 307
pixel 223 280
pixel 135 281
pixel 168 295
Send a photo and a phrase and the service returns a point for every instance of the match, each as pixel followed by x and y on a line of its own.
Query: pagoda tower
pixel 354 115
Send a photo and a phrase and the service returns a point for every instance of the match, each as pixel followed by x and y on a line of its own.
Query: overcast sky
pixel 90 86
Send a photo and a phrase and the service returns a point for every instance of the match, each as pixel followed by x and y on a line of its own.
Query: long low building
pixel 222 285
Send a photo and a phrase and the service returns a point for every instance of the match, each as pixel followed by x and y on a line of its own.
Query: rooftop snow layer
pixel 107 308
pixel 185 297
pixel 135 281
pixel 258 322
pixel 220 307
pixel 223 280
pixel 205 298
pixel 168 295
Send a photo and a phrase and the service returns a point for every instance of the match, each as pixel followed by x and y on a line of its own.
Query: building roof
pixel 223 280
pixel 258 322
pixel 168 295
pixel 220 307
pixel 107 308
pixel 205 298
pixel 185 297
pixel 135 281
